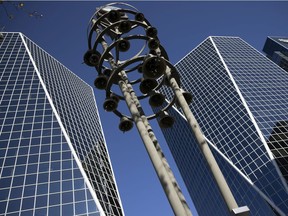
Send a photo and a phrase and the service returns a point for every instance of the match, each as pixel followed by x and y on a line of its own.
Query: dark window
pixel 18 181
pixel 67 209
pixel 7 171
pixel 29 190
pixel 54 210
pixel 67 174
pixel 80 208
pixel 41 201
pixel 42 189
pixel 32 168
pixel 67 197
pixel 28 203
pixel 54 176
pixel 14 205
pixel 92 206
pixel 31 179
pixel 5 182
pixel 4 194
pixel 67 185
pixel 54 199
pixel 16 192
pixel 54 187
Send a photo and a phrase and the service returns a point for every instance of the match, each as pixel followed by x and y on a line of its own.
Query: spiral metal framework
pixel 112 31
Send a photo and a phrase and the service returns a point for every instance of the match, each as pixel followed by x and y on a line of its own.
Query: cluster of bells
pixel 153 67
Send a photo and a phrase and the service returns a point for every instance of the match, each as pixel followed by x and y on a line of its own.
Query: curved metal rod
pixel 150 117
pixel 120 68
pixel 114 44
pixel 103 32
pixel 89 35
pixel 112 79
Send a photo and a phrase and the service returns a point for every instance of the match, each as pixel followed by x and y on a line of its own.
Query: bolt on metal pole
pixel 211 161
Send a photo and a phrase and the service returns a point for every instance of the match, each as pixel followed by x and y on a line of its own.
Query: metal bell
pixel 110 104
pixel 165 120
pixel 101 82
pixel 156 99
pixel 92 58
pixel 153 43
pixel 114 16
pixel 123 45
pixel 147 85
pixel 125 124
pixel 115 97
pixel 151 32
pixel 153 67
pixel 124 26
pixel 139 17
pixel 107 72
pixel 188 96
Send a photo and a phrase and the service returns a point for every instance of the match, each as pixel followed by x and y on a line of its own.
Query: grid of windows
pixel 39 175
pixel 231 85
pixel 82 123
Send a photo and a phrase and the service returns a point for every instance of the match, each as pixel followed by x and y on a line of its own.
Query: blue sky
pixel 181 27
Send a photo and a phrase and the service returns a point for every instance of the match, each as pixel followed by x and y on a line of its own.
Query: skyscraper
pixel 241 104
pixel 276 49
pixel 53 155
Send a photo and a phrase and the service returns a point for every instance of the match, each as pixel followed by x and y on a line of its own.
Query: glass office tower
pixel 240 99
pixel 53 156
pixel 276 49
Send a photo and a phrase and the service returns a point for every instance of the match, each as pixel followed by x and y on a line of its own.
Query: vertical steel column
pixel 160 152
pixel 166 165
pixel 217 174
pixel 159 167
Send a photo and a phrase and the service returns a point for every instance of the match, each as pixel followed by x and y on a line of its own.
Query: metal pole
pixel 218 176
pixel 159 167
pixel 166 165
pixel 159 150
pixel 178 203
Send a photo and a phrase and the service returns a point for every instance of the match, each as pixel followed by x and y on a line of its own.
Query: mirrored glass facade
pixel 241 104
pixel 53 156
pixel 276 49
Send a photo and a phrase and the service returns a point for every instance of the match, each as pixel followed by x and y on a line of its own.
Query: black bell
pixel 188 97
pixel 147 85
pixel 107 72
pixel 114 97
pixel 165 120
pixel 124 26
pixel 125 124
pixel 114 16
pixel 139 17
pixel 153 43
pixel 110 104
pixel 151 32
pixel 101 82
pixel 91 58
pixel 153 67
pixel 156 99
pixel 123 45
